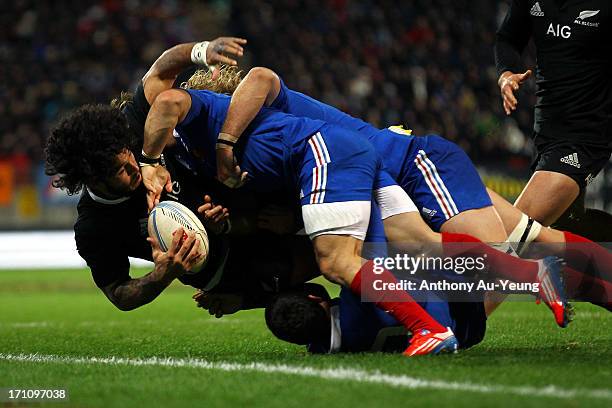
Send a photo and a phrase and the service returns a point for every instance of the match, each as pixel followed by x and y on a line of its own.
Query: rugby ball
pixel 167 217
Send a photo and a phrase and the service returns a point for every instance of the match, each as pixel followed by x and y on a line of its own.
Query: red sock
pixel 398 304
pixel 587 256
pixel 502 264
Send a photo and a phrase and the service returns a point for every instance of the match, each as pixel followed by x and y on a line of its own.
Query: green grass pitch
pixel 171 354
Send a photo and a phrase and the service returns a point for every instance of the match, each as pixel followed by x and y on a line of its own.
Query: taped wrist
pixel 198 53
pixel 147 160
pixel 226 141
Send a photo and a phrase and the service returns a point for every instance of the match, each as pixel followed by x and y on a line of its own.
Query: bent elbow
pixel 261 74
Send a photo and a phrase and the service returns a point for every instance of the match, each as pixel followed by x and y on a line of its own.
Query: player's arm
pixel 511 39
pixel 168 110
pixel 173 61
pixel 182 255
pixel 259 88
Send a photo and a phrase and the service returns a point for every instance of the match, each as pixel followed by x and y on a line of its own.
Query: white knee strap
pixel 526 231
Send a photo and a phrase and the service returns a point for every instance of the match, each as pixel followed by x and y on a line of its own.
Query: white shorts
pixel 339 218
pixel 393 200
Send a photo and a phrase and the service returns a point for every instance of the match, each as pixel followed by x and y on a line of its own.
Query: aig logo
pixel 559 31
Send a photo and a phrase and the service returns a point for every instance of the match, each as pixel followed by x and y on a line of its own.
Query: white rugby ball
pixel 167 217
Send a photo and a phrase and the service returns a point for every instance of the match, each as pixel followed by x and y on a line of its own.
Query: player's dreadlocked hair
pixel 296 318
pixel 83 146
pixel 226 83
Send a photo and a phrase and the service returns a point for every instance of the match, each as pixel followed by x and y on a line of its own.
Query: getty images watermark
pixel 465 272
pixel 462 280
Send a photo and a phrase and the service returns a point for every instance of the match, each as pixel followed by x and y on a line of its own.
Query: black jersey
pixel 573 39
pixel 107 232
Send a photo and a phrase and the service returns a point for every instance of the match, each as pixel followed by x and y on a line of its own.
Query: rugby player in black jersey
pixel 573 112
pixel 111 224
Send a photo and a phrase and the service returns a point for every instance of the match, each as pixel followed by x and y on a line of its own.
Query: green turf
pixel 61 313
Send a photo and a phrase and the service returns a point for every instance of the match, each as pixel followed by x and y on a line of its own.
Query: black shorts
pixel 580 162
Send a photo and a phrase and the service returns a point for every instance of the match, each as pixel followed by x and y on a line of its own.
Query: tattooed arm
pixel 181 257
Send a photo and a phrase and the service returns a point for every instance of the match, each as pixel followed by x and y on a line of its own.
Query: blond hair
pixel 225 82
pixel 122 100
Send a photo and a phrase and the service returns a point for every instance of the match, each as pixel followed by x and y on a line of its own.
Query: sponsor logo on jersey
pixel 571 159
pixel 585 15
pixel 536 10
pixel 176 190
pixel 176 187
pixel 428 213
pixel 559 31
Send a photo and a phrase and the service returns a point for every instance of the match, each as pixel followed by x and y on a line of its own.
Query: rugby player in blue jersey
pixel 334 171
pixel 437 175
pixel 345 324
pixel 403 225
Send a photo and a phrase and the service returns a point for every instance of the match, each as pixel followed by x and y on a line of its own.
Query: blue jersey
pixel 392 146
pixel 265 149
pixel 322 163
pixel 437 175
pixel 361 326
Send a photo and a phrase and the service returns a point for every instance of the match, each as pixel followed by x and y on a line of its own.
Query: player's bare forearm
pixel 258 88
pixel 165 69
pixel 169 108
pixel 172 61
pixel 138 292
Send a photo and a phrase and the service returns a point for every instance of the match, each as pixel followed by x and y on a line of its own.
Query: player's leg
pixel 591 223
pixel 589 271
pixel 500 263
pixel 446 187
pixel 449 192
pixel 547 195
pixel 561 171
pixel 482 223
pixel 336 179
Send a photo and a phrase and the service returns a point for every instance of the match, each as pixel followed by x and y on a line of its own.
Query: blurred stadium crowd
pixel 57 55
pixel 427 64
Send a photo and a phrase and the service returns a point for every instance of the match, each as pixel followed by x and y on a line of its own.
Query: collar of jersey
pixel 101 200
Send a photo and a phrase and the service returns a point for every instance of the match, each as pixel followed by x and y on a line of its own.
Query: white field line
pixel 340 373
pixel 87 323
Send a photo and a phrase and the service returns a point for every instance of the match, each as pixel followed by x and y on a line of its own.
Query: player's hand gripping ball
pixel 167 217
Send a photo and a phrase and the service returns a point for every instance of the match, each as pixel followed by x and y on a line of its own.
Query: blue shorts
pixel 337 165
pixel 361 322
pixel 441 180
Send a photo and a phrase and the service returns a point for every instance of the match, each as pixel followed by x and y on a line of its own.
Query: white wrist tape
pixel 198 53
pixel 149 156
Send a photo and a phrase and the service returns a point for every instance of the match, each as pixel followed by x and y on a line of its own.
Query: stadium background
pixel 426 64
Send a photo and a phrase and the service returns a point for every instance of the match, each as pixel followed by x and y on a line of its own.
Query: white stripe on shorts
pixel 319 173
pixel 436 185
